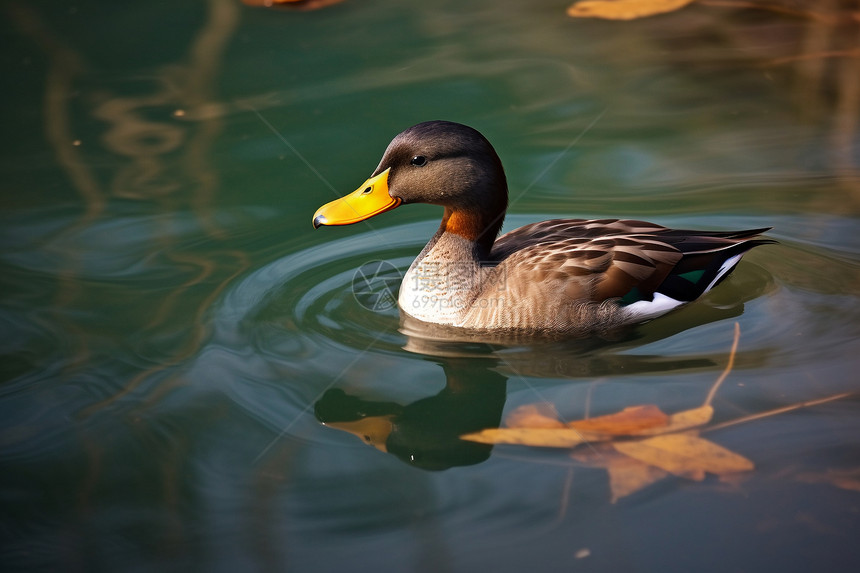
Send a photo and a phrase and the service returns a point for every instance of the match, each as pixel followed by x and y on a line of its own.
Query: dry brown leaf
pixel 532 428
pixel 629 421
pixel 540 415
pixel 539 437
pixel 594 457
pixel 680 421
pixel 626 475
pixel 685 455
pixel 624 9
pixel 629 475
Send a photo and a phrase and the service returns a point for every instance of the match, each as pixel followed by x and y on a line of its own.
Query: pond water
pixel 195 379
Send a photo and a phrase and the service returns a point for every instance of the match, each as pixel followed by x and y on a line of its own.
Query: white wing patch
pixel 727 266
pixel 645 309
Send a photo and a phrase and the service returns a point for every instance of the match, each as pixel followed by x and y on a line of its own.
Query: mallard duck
pixel 559 276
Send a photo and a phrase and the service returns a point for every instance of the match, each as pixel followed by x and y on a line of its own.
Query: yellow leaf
pixel 681 421
pixel 628 421
pixel 531 427
pixel 685 455
pixel 541 415
pixel 624 9
pixel 626 475
pixel 539 437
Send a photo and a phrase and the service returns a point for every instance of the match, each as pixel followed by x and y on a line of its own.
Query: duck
pixel 556 277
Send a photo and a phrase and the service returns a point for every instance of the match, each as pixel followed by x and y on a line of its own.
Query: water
pixel 182 352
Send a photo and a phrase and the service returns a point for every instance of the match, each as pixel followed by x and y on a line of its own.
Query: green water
pixel 175 332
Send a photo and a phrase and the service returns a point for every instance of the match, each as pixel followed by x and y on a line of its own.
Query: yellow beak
pixel 370 199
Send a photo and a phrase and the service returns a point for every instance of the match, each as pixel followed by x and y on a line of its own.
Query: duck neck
pixel 445 278
pixel 442 282
pixel 477 226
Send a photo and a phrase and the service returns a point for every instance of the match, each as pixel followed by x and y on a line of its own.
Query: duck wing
pixel 598 260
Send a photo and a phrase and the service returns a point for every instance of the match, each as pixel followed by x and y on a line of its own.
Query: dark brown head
pixel 441 163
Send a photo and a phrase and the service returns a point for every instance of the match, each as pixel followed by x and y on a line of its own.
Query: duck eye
pixel 419 160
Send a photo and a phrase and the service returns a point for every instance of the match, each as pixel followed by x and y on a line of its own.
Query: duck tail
pixel 676 236
pixel 708 259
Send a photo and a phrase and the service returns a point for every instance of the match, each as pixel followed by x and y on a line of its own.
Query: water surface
pixel 182 351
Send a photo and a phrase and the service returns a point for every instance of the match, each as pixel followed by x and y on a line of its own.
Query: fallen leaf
pixel 629 475
pixel 533 428
pixel 626 475
pixel 680 421
pixel 629 421
pixel 624 9
pixel 539 437
pixel 685 455
pixel 540 415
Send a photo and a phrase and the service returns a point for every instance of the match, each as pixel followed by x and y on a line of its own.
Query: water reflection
pixel 145 138
pixel 426 433
pixel 292 4
pixel 145 119
pixel 170 321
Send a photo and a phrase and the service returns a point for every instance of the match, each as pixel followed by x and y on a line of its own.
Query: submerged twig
pixel 781 410
pixel 728 368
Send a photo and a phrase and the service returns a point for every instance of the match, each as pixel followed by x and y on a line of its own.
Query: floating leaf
pixel 532 427
pixel 626 475
pixel 629 475
pixel 624 9
pixel 629 421
pixel 538 437
pixel 685 455
pixel 540 415
pixel 683 420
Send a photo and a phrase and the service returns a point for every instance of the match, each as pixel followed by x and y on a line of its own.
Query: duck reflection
pixel 426 433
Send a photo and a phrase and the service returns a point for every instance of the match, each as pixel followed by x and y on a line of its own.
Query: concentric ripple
pixel 342 292
pixel 309 321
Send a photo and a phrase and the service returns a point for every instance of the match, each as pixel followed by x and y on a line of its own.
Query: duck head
pixel 437 162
